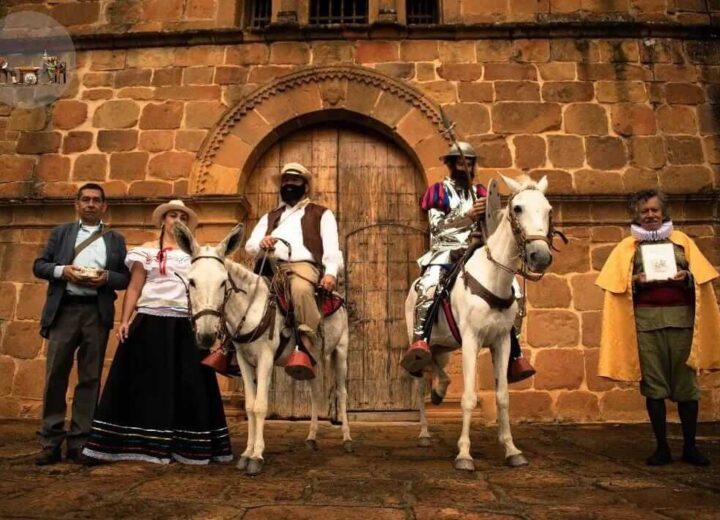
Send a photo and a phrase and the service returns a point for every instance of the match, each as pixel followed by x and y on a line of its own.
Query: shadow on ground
pixel 575 472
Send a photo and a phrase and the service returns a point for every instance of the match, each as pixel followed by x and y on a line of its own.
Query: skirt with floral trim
pixel 159 402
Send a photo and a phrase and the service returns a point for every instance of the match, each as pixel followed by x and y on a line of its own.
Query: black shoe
pixel 76 456
pixel 48 456
pixel 694 457
pixel 660 457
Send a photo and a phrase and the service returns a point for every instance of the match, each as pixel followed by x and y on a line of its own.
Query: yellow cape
pixel 619 358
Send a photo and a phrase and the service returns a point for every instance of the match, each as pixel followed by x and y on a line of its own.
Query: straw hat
pixel 177 205
pixel 298 170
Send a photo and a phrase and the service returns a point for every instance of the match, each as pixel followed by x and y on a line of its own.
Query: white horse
pixel 220 289
pixel 520 242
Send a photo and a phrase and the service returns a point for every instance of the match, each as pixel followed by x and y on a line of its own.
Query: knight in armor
pixel 454 207
pixel 312 261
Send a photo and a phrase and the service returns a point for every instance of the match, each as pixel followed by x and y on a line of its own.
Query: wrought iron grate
pixel 324 12
pixel 260 12
pixel 422 12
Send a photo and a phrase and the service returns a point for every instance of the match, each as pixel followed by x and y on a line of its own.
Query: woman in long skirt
pixel 159 403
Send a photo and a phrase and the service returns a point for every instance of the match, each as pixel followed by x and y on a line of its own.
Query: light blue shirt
pixel 94 255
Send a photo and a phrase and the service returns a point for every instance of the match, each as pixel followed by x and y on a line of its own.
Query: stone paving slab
pixel 578 472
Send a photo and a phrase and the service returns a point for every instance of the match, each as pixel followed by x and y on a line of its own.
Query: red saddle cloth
pixel 450 317
pixel 327 304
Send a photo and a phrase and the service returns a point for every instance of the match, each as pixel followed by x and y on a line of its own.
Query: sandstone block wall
pixel 98 16
pixel 600 117
pixel 597 117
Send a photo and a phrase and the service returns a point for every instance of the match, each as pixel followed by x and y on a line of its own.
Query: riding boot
pixel 656 412
pixel 688 412
pixel 417 357
pixel 519 367
pixel 300 364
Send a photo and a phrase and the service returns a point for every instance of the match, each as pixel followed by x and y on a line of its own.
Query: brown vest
pixel 310 224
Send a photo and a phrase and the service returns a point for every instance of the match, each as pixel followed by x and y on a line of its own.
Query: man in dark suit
pixel 84 263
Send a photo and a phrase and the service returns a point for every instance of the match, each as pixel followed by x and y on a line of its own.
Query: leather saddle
pixel 458 258
pixel 328 302
pixel 442 300
pixel 222 359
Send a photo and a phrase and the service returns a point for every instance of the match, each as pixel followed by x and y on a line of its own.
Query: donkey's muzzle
pixel 205 340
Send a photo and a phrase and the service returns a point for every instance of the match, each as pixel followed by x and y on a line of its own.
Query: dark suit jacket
pixel 59 251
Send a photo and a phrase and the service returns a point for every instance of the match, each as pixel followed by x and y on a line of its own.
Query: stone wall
pixel 88 16
pixel 642 112
pixel 97 16
pixel 601 117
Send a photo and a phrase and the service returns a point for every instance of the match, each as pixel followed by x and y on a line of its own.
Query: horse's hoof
pixel 348 446
pixel 312 444
pixel 464 464
pixel 254 467
pixel 516 461
pixel 242 463
pixel 425 442
pixel 436 398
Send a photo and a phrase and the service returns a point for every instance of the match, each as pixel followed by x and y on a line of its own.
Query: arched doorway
pixel 373 187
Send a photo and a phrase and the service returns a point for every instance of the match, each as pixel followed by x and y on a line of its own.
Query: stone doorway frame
pixel 313 95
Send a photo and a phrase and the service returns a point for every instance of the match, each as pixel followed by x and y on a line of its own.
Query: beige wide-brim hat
pixel 177 205
pixel 298 170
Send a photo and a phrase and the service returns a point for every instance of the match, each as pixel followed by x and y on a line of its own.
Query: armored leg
pixel 425 289
pixel 418 355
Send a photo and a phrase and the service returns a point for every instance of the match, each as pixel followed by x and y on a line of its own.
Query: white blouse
pixel 163 293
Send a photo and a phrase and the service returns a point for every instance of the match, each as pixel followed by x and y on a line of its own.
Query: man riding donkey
pixel 311 260
pixel 454 207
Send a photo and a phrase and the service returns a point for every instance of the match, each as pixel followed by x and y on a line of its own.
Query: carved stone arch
pixel 312 95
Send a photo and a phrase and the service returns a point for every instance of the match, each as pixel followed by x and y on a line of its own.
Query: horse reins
pixel 521 240
pixel 219 312
pixel 222 333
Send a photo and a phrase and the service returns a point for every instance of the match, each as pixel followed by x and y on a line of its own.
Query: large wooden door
pixel 373 188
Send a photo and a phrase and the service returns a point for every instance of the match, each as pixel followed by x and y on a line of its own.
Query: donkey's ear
pixel 231 242
pixel 185 238
pixel 513 185
pixel 542 184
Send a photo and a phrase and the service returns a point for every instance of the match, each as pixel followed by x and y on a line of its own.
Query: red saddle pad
pixel 328 305
pixel 331 304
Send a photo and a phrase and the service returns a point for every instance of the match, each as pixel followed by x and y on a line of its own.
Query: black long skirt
pixel 160 403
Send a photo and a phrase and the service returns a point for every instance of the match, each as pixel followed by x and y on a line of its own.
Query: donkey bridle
pixel 225 338
pixel 220 311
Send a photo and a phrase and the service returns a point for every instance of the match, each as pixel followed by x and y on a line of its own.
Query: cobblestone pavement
pixel 575 472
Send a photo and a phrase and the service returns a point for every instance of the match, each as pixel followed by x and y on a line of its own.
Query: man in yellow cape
pixel 621 349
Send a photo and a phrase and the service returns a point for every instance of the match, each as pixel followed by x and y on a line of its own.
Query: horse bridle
pixel 522 240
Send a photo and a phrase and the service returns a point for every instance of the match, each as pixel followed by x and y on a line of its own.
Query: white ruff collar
pixel 643 235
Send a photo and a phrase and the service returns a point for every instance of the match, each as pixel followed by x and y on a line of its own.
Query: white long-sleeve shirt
pixel 289 228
